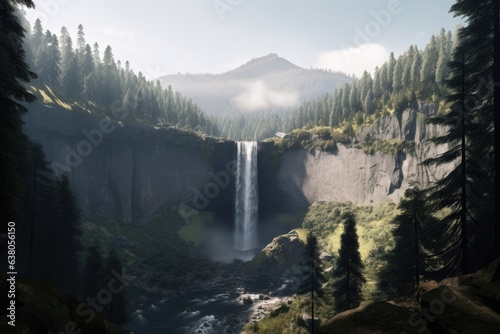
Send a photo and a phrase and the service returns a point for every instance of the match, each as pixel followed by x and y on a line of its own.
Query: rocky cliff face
pixel 132 172
pixel 299 178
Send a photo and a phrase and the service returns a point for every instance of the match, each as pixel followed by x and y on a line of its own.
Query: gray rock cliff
pixel 299 178
pixel 132 172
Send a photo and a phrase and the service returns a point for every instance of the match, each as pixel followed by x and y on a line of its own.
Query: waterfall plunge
pixel 247 201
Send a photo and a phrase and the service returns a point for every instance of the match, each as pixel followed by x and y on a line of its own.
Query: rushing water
pixel 247 201
pixel 216 309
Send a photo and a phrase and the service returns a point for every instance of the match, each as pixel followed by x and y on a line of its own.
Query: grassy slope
pixel 323 218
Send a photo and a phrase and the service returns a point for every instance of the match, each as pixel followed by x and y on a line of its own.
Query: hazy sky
pixel 170 36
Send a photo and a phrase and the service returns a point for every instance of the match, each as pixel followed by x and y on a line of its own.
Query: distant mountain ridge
pixel 268 83
pixel 262 66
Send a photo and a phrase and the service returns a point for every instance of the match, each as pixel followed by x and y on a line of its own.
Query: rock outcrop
pixel 281 255
pixel 299 178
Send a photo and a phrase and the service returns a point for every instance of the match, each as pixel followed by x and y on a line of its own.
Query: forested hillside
pixel 249 101
pixel 400 83
pixel 83 77
pixel 416 75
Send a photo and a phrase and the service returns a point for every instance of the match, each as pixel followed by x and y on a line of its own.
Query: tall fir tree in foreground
pixel 38 203
pixel 496 104
pixel 348 272
pixel 313 277
pixel 467 189
pixel 13 74
pixel 477 38
pixel 401 276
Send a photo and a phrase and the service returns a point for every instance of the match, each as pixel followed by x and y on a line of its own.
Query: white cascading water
pixel 247 197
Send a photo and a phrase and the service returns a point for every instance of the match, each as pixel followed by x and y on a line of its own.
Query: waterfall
pixel 247 201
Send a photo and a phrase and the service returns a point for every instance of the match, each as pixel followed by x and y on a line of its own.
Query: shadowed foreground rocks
pixel 464 304
pixel 40 308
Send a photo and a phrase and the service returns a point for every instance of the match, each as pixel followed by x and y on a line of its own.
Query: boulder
pixel 468 303
pixel 324 256
pixel 461 309
pixel 308 321
pixel 375 318
pixel 280 255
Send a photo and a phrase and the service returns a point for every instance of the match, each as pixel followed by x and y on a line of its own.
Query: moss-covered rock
pixel 282 253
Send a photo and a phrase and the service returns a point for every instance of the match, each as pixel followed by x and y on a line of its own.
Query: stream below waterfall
pixel 217 307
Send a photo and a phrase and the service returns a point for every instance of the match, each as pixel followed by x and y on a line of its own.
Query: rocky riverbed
pixel 223 304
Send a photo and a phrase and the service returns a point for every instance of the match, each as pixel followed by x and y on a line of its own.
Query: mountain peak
pixel 264 65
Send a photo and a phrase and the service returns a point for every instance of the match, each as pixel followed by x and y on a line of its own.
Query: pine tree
pixel 391 65
pixel 452 190
pixel 397 77
pixel 430 57
pixel 368 103
pixel 94 272
pixel 377 84
pixel 443 58
pixel 336 113
pixel 49 58
pixel 354 103
pixel 496 108
pixel 478 40
pixel 467 189
pixel 37 42
pixel 70 80
pixel 39 182
pixel 14 74
pixel 86 63
pixel 110 86
pixel 118 309
pixel 348 274
pixel 410 57
pixel 80 41
pixel 416 67
pixel 401 276
pixel 365 84
pixel 346 109
pixel 66 237
pixel 313 276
